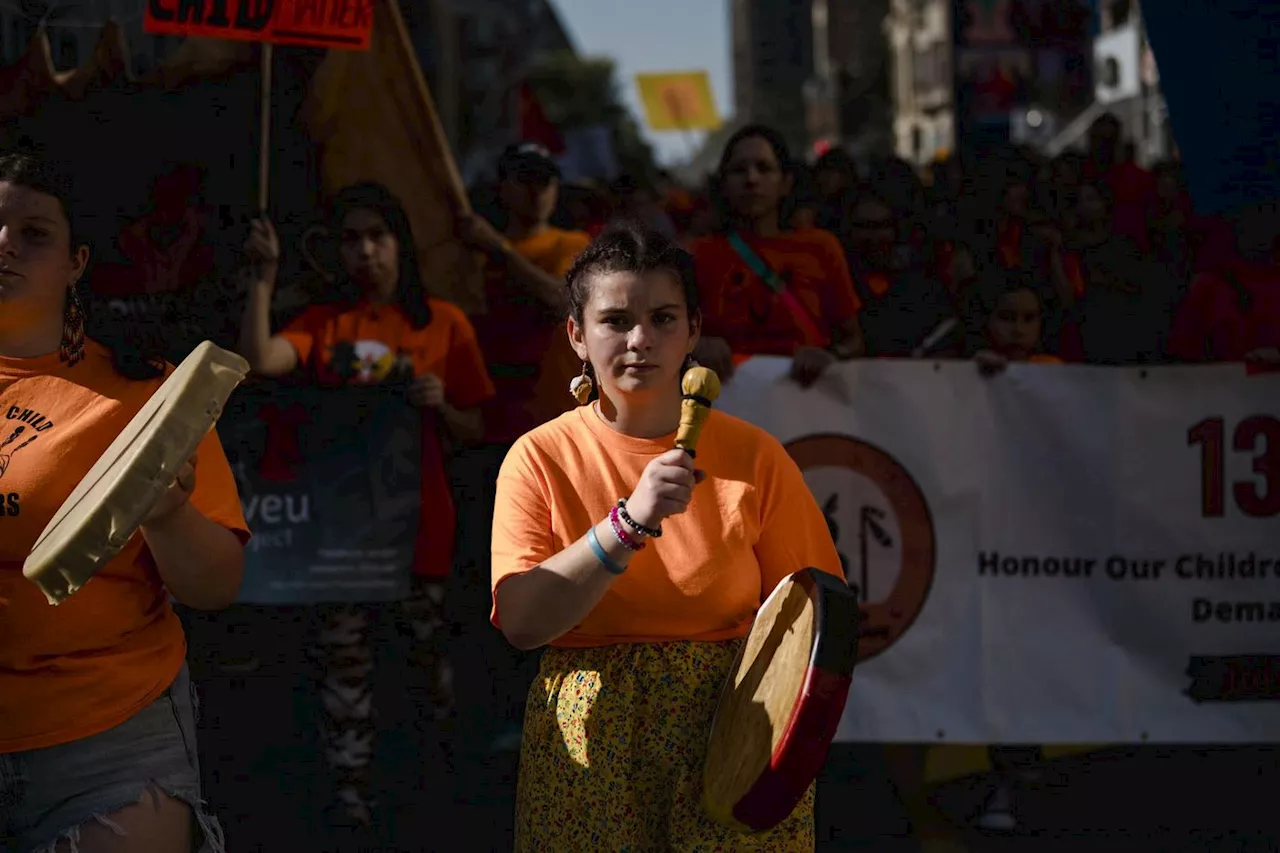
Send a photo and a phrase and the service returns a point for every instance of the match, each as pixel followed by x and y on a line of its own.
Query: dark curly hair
pixel 377 198
pixel 136 352
pixel 632 248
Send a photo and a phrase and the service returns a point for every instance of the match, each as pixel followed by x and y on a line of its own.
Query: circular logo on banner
pixel 882 527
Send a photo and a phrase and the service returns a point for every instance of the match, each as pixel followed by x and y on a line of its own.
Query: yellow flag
pixel 678 100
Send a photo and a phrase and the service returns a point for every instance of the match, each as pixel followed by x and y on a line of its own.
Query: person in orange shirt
pixel 766 290
pixel 640 572
pixel 97 723
pixel 387 328
pixel 524 295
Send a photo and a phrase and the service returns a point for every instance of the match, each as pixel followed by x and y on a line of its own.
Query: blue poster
pixel 330 482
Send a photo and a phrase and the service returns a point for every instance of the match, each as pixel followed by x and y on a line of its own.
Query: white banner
pixel 1052 555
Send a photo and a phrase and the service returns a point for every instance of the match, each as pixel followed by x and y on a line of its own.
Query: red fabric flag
pixel 534 124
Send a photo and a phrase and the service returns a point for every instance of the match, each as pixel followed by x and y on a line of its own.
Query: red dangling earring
pixel 72 348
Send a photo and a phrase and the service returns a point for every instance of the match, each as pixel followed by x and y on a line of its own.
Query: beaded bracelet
pixel 651 532
pixel 621 533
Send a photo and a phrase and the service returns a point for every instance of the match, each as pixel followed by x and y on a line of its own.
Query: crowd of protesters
pixel 1085 258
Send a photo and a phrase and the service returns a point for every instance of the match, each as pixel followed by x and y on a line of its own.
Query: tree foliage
pixel 584 92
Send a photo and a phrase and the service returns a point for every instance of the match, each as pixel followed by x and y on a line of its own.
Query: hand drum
pixel 782 703
pixel 108 506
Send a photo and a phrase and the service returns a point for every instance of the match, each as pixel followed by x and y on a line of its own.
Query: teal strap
pixel 605 560
pixel 757 264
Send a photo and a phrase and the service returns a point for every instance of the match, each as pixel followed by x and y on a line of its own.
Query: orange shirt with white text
pixel 95 660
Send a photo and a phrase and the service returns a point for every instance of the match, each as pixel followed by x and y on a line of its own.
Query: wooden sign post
pixel 337 24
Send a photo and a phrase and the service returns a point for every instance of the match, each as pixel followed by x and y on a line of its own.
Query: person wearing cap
pixel 521 334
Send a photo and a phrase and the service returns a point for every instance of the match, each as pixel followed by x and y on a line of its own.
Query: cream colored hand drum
pixel 782 702
pixel 109 504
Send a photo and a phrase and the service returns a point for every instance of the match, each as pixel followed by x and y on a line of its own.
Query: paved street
pixel 264 778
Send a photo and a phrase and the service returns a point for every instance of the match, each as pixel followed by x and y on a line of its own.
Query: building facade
pixel 851 106
pixel 920 38
pixel 1127 81
pixel 773 67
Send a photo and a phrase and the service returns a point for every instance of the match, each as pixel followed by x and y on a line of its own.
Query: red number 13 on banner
pixel 1258 436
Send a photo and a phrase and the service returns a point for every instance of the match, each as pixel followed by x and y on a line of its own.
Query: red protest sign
pixel 344 24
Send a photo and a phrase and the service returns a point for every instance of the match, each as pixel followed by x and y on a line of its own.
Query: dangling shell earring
pixel 581 386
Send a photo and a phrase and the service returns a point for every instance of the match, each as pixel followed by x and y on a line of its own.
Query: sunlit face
pixel 37 262
pixel 370 252
pixel 754 181
pixel 636 332
pixel 1016 324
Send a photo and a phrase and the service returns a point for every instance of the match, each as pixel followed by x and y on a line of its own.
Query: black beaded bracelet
pixel 651 532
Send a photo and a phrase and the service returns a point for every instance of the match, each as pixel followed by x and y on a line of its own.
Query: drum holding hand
pixel 177 495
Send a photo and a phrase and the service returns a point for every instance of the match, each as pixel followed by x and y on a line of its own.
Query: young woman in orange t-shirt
pixel 387 328
pixel 97 723
pixel 766 289
pixel 641 572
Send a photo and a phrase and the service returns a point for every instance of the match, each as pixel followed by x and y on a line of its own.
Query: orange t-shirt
pixel 377 335
pixel 738 306
pixel 751 523
pixel 80 668
pixel 525 343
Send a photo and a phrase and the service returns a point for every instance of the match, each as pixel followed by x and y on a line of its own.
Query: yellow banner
pixel 678 100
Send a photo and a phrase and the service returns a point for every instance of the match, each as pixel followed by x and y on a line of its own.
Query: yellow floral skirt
pixel 612 754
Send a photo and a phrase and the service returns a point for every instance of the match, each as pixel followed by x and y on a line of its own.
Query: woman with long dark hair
pixel 384 327
pixel 765 289
pixel 97 722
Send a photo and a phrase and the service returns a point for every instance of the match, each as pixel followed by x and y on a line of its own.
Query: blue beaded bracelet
pixel 605 560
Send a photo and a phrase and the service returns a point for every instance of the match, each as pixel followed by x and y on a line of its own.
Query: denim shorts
pixel 46 795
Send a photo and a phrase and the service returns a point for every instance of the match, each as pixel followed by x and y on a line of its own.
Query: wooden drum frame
pixel 782 702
